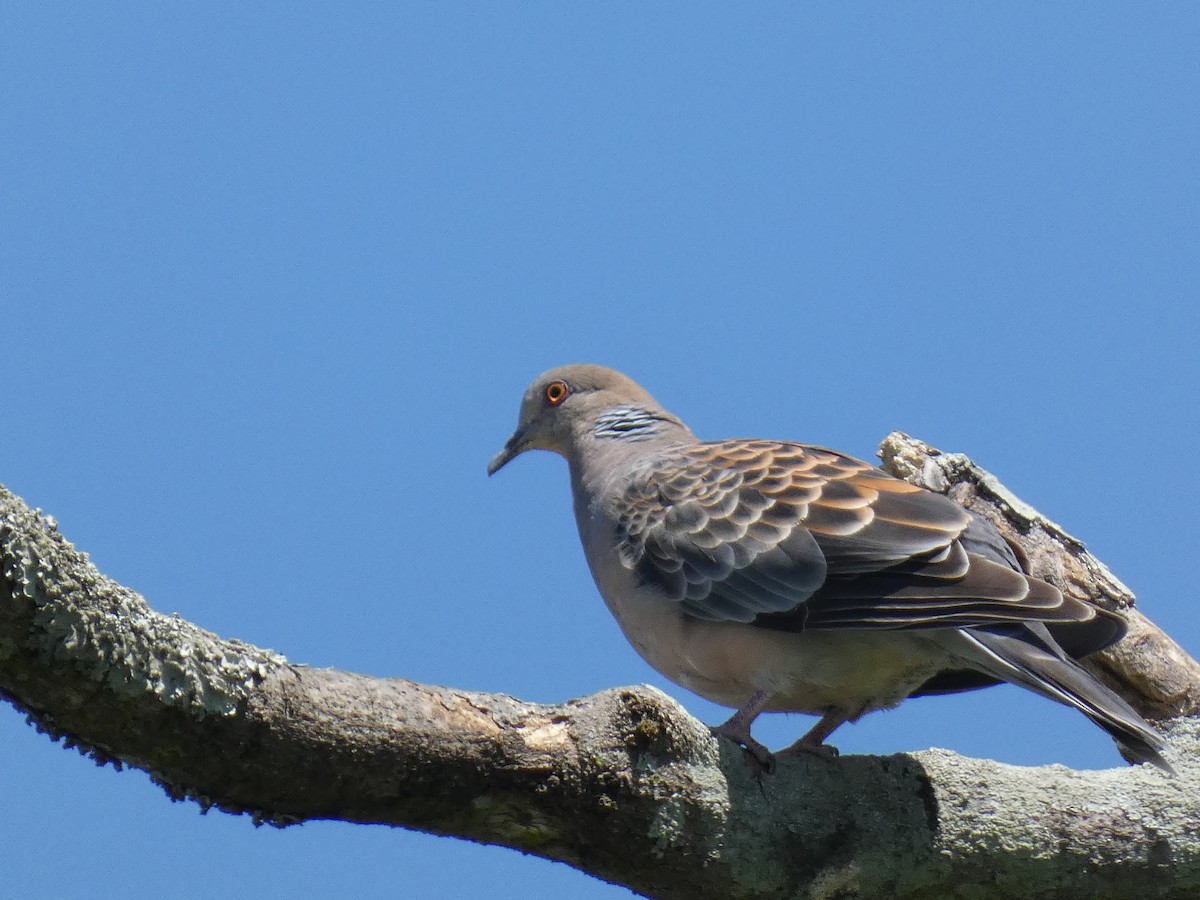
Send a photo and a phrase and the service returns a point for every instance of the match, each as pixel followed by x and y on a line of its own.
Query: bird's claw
pixel 758 757
pixel 827 752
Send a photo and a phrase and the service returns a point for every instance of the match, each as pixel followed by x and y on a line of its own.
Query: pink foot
pixel 737 729
pixel 813 743
pixel 758 757
pixel 827 752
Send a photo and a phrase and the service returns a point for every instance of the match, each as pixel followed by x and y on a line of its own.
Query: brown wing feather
pixel 790 536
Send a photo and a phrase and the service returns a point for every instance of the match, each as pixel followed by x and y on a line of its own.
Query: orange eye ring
pixel 556 392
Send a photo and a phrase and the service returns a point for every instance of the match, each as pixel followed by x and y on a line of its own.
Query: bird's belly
pixel 816 671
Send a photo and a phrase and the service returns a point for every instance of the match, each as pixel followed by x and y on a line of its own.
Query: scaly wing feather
pixel 794 537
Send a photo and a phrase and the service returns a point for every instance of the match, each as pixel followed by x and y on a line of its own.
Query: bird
pixel 774 576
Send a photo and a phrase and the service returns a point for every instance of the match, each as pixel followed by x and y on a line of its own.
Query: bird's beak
pixel 513 448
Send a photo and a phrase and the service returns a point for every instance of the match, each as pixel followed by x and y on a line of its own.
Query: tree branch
pixel 623 784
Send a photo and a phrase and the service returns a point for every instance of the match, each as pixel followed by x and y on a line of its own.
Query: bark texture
pixel 624 784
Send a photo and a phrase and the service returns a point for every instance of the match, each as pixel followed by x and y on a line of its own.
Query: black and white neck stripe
pixel 629 423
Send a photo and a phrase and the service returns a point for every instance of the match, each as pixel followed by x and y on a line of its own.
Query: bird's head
pixel 563 404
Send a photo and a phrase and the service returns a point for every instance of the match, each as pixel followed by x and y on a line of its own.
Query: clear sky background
pixel 273 278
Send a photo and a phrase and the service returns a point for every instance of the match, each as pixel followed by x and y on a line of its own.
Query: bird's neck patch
pixel 628 423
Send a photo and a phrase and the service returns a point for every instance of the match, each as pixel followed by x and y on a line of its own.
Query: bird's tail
pixel 1027 655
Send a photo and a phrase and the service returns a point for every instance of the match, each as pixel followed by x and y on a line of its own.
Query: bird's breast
pixel 728 662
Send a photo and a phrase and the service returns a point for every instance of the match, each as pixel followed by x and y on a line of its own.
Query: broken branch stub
pixel 1146 667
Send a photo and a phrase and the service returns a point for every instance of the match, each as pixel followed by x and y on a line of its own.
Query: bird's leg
pixel 737 728
pixel 813 741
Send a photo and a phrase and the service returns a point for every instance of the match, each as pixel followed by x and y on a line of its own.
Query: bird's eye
pixel 556 392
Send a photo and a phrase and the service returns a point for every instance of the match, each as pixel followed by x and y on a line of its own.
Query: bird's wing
pixel 793 537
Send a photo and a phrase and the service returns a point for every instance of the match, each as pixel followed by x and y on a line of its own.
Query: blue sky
pixel 274 276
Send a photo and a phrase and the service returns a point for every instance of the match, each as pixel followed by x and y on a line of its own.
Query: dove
pixel 773 576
